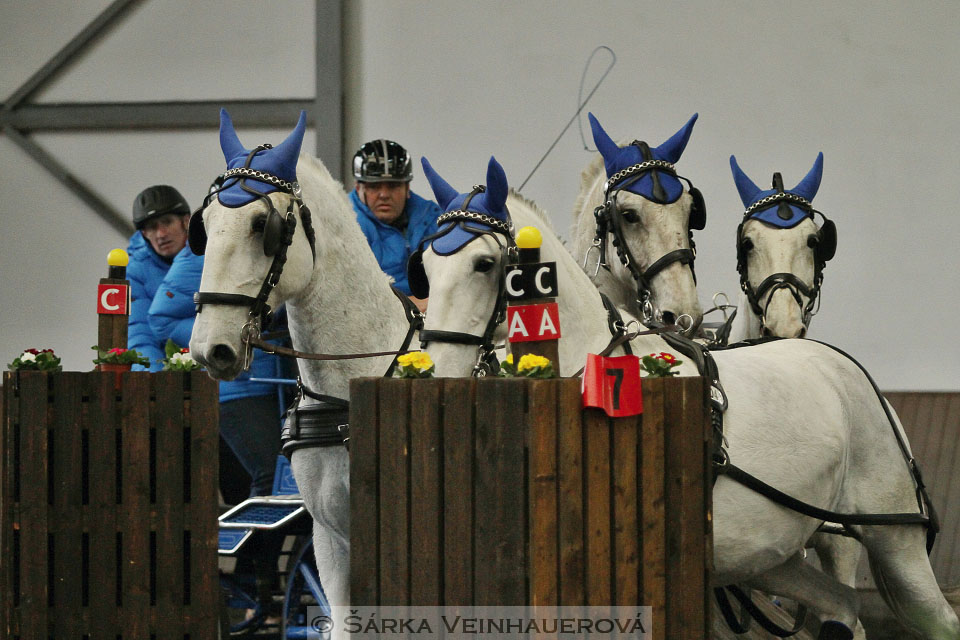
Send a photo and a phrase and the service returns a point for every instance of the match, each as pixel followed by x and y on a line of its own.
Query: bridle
pixel 486 363
pixel 277 237
pixel 610 221
pixel 824 247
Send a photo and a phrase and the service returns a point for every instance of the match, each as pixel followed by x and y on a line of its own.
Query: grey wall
pixel 872 86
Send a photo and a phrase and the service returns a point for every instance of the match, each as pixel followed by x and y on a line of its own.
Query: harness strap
pixel 267 347
pixel 752 611
pixel 456 337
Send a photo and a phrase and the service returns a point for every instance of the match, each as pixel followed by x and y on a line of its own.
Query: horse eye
pixel 484 264
pixel 813 240
pixel 630 216
pixel 746 244
pixel 259 223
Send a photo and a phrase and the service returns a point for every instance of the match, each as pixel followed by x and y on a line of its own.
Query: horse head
pixel 651 215
pixel 781 252
pixel 464 266
pixel 253 226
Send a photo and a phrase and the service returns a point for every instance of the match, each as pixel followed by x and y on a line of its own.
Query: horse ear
pixel 672 149
pixel 605 144
pixel 808 187
pixel 745 187
pixel 288 151
pixel 443 192
pixel 229 142
pixel 496 185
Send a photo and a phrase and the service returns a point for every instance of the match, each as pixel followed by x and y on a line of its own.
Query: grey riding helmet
pixel 382 161
pixel 156 201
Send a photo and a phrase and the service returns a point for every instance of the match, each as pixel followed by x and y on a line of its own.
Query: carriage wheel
pixel 303 591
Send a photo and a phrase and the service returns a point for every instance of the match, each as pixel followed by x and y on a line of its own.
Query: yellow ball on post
pixel 529 238
pixel 118 258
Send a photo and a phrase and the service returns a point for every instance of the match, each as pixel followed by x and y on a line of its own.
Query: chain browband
pixel 262 176
pixel 640 167
pixel 763 203
pixel 473 216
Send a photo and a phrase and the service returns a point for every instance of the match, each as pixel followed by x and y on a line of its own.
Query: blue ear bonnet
pixel 279 161
pixel 782 214
pixel 616 158
pixel 452 236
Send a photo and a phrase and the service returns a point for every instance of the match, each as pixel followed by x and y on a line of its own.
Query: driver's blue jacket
pixel 392 245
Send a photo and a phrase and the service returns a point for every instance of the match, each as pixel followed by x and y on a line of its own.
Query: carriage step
pixel 262 513
pixel 229 541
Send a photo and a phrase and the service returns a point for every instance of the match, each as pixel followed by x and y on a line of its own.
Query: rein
pixel 610 221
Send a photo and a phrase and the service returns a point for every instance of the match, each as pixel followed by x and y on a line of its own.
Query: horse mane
pixel 588 177
pixel 534 208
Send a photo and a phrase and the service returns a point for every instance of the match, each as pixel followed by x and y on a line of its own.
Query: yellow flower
pixel 416 359
pixel 509 358
pixel 531 361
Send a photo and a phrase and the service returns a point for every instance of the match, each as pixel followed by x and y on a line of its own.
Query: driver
pixel 392 217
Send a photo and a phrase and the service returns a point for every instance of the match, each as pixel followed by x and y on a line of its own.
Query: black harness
pixel 824 245
pixel 610 221
pixel 487 363
pixel 722 465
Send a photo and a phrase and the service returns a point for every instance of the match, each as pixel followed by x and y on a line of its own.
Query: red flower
pixel 669 358
pixel 33 351
pixel 184 350
pixel 117 350
pixel 46 351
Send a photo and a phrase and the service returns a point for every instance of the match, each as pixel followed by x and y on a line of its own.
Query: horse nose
pixel 222 356
pixel 669 317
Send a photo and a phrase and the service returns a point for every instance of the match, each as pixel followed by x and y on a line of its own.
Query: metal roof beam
pixel 118 116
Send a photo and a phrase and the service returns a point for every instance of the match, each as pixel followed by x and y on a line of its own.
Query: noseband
pixel 486 363
pixel 610 220
pixel 822 252
pixel 277 237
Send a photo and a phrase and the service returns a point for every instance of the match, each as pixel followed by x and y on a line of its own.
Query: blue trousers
pixel 251 427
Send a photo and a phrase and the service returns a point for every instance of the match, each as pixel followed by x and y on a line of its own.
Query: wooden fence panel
pixel 108 506
pixel 506 492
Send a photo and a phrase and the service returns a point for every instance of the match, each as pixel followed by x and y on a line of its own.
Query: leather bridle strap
pixel 454 337
pixel 269 347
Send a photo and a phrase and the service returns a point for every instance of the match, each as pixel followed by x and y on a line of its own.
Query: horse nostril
pixel 222 355
pixel 669 317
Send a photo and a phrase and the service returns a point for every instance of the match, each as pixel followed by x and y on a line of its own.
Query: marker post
pixel 113 302
pixel 532 313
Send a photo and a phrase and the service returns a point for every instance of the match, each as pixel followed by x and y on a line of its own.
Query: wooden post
pixel 113 303
pixel 536 277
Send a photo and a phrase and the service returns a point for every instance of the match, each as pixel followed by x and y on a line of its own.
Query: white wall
pixel 875 87
pixel 457 81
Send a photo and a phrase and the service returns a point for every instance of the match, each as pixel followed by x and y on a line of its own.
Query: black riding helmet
pixel 382 161
pixel 156 201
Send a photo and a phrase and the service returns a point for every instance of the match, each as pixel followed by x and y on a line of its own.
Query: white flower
pixel 26 356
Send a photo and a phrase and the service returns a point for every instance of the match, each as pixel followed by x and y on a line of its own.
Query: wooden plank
pixel 687 451
pixel 67 441
pixel 135 513
pixel 500 504
pixel 425 494
pixel 596 463
pixel 33 505
pixel 458 492
pixel 10 417
pixel 544 560
pixel 570 526
pixel 626 532
pixel 204 420
pixel 948 494
pixel 167 421
pixel 393 486
pixel 364 505
pixel 653 541
pixel 101 421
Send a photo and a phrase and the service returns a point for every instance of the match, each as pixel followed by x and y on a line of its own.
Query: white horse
pixel 781 254
pixel 801 417
pixel 653 211
pixel 338 301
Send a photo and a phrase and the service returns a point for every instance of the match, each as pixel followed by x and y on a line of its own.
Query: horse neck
pixel 347 307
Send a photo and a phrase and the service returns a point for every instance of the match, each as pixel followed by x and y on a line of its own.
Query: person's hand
pixel 420 302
